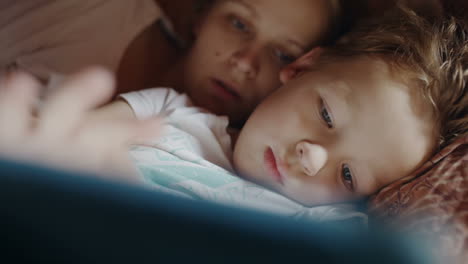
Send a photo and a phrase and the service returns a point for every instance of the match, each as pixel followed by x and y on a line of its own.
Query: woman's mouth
pixel 272 166
pixel 225 91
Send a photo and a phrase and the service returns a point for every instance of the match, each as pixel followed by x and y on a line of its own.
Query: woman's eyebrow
pixel 245 5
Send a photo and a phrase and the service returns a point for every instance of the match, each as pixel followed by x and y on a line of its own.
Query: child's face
pixel 335 134
pixel 242 45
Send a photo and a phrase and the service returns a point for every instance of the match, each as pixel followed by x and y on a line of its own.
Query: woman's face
pixel 241 46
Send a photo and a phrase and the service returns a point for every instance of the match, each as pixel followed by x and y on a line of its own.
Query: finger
pixel 18 98
pixel 122 167
pixel 146 130
pixel 107 145
pixel 120 133
pixel 64 109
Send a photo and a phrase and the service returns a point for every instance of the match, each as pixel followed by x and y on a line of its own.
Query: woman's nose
pixel 245 61
pixel 312 157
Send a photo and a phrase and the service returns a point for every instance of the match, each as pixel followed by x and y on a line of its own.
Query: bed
pixel 56 216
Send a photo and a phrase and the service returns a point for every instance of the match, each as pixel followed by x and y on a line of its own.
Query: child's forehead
pixel 352 74
pixel 370 75
pixel 379 127
pixel 382 115
pixel 379 78
pixel 370 84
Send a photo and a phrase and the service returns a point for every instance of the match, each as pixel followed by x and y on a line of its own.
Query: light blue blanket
pixel 195 179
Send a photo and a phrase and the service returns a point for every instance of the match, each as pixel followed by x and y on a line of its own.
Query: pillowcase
pixel 432 202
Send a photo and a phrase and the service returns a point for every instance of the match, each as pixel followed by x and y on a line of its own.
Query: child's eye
pixel 239 25
pixel 325 114
pixel 283 57
pixel 347 177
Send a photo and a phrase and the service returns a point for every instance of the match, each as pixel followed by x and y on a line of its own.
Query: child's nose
pixel 245 60
pixel 312 157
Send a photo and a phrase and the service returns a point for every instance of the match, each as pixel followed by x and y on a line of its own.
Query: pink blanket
pixel 435 202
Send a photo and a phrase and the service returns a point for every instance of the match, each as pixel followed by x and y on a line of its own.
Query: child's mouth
pixel 225 91
pixel 271 165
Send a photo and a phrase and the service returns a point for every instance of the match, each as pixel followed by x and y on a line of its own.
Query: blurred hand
pixel 62 132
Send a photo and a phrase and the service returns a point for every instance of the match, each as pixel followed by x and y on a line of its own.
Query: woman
pixel 234 61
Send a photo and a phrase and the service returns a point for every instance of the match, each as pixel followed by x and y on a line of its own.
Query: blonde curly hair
pixel 432 55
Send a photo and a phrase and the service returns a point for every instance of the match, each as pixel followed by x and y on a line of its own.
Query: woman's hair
pixel 336 22
pixel 202 5
pixel 432 56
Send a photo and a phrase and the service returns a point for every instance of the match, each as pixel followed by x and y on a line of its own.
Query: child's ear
pixel 302 64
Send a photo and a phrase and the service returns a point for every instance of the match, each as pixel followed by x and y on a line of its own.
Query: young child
pixel 232 64
pixel 348 120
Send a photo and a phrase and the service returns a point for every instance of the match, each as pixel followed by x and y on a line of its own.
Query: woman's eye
pixel 239 25
pixel 325 114
pixel 347 177
pixel 284 58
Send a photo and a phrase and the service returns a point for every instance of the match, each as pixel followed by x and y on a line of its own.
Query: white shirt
pixel 189 132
